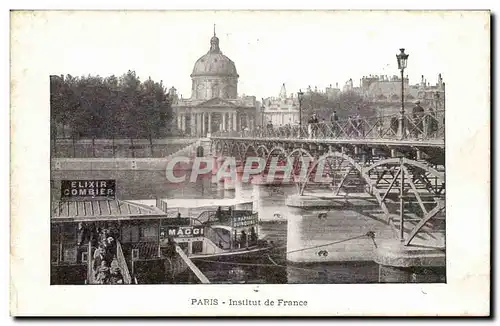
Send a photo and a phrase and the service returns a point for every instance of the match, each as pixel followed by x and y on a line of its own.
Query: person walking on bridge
pixel 431 123
pixel 418 117
pixel 358 122
pixel 334 118
pixel 313 125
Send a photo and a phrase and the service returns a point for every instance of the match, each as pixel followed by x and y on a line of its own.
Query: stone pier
pixel 269 199
pixel 328 228
pixel 410 264
pixel 318 221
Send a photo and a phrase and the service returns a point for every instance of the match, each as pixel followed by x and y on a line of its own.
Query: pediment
pixel 217 102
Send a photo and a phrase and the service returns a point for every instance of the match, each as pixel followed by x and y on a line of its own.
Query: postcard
pixel 250 163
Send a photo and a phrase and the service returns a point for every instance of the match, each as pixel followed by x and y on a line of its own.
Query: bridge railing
pixel 418 126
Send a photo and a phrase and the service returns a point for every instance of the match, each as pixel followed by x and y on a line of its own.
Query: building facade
pixel 214 104
pixel 384 93
pixel 280 110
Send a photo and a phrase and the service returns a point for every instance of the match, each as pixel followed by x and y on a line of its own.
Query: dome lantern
pixel 214 43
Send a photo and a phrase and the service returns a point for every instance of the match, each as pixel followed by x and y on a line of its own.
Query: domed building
pixel 214 104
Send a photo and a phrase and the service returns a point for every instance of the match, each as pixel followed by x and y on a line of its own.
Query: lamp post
pixel 402 62
pixel 300 96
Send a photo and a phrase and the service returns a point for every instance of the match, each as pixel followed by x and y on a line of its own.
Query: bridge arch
pixel 301 151
pixel 249 151
pixel 235 150
pixel 280 149
pixel 262 151
pixel 218 145
pixel 226 148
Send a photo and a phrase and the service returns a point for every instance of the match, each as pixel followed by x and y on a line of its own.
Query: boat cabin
pixel 78 229
pixel 218 227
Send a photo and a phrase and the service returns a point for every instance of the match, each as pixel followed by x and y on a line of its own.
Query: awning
pixel 81 211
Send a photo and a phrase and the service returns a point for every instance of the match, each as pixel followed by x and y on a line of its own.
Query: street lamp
pixel 300 95
pixel 402 62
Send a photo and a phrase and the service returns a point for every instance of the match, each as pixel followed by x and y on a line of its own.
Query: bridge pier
pixel 274 210
pixel 324 228
pixel 410 264
pixel 332 229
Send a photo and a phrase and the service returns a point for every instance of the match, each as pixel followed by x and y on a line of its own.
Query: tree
pixel 123 106
pixel 345 104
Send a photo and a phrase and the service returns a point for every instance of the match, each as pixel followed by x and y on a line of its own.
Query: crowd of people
pixel 104 271
pixel 104 240
pixel 417 123
pixel 245 240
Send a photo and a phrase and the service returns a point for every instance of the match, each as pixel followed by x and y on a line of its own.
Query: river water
pixel 143 185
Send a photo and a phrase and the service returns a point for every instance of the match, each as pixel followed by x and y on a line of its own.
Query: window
pixel 70 255
pixel 149 233
pixel 197 247
pixel 183 246
pixel 54 253
pixel 85 257
pixel 130 233
pixel 68 233
pixel 54 241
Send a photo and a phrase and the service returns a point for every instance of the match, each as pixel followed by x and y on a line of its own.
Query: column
pixel 183 122
pixel 223 121
pixel 179 121
pixel 198 123
pixel 193 124
pixel 203 124
pixel 209 122
pixel 235 122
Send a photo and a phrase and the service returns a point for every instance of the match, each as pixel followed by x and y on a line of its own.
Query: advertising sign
pixel 88 189
pixel 181 231
pixel 244 221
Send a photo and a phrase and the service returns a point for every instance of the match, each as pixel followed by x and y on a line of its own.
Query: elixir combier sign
pixel 88 189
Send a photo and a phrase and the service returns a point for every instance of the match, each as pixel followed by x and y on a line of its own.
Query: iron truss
pixel 405 177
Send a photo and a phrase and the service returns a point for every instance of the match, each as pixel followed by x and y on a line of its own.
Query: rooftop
pixel 80 211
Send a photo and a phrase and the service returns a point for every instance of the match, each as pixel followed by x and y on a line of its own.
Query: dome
pixel 214 63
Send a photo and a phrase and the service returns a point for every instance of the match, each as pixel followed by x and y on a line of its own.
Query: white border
pixel 466 292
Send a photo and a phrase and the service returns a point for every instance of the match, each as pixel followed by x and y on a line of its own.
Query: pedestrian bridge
pixel 397 159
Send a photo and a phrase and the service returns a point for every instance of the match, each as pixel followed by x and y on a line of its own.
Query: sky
pixel 316 48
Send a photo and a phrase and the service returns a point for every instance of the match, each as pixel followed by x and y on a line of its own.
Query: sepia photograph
pixel 205 148
pixel 341 183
